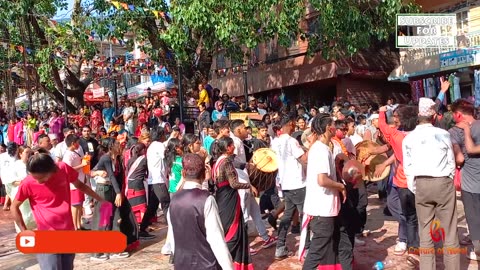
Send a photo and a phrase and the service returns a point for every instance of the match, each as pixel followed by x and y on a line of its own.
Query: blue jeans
pixel 56 261
pixel 395 207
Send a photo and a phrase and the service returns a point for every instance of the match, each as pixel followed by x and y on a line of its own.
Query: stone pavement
pixel 379 246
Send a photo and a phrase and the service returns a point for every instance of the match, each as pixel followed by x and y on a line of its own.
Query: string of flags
pixel 14 47
pixel 128 7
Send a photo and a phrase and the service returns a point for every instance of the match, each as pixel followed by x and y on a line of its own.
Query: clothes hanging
pixel 451 81
pixel 476 75
pixel 417 90
pixel 456 88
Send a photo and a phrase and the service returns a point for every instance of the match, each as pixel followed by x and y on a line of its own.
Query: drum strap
pixel 216 167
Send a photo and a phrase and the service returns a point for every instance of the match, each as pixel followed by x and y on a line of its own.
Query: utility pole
pixel 180 91
pixel 65 104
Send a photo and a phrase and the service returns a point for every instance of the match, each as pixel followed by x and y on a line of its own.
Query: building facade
pixel 422 68
pixel 312 80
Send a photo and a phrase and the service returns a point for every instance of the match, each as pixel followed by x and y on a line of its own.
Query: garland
pixel 344 148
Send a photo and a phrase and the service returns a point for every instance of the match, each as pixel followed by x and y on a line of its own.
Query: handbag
pixel 457 179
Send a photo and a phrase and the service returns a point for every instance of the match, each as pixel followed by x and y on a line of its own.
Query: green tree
pixel 55 50
pixel 195 30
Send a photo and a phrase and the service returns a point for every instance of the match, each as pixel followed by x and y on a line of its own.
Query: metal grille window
pixel 221 61
pixel 462 22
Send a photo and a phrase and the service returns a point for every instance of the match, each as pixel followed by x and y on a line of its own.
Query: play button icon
pixel 27 241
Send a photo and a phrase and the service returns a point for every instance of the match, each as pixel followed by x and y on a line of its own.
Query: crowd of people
pixel 136 161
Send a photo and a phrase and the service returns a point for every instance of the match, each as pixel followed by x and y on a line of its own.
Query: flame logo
pixel 436 231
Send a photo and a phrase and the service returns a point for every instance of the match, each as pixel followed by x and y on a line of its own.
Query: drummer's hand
pixel 379 169
pixel 254 191
pixel 343 190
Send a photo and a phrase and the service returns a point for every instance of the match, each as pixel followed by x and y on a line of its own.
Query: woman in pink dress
pixel 18 132
pixel 55 122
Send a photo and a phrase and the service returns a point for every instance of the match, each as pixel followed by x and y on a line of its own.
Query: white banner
pixel 98 92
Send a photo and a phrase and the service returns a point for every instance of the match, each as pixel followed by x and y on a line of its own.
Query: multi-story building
pixel 421 68
pixel 312 80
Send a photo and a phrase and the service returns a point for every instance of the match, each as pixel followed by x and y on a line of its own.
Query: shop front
pixel 460 67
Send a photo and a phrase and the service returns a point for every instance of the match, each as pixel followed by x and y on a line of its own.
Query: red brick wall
pixel 359 90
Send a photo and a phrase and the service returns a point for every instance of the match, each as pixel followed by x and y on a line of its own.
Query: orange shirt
pixel 395 138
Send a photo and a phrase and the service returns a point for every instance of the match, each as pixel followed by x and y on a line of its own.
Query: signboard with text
pixel 459 59
pixel 426 30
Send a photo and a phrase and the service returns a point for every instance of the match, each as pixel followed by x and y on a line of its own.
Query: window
pixel 255 56
pixel 272 50
pixel 221 61
pixel 462 22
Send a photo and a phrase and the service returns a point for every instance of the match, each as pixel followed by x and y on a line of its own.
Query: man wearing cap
pixel 252 104
pixel 429 166
pixel 261 106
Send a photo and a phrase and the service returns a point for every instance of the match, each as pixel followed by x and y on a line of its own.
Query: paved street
pixel 379 245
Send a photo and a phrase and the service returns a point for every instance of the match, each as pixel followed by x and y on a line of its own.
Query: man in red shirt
pixel 47 187
pixel 407 118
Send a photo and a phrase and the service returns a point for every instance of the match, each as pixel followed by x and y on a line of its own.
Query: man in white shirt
pixel 429 166
pixel 61 148
pixel 291 159
pixel 322 190
pixel 128 114
pixel 157 188
pixel 250 207
pixel 197 236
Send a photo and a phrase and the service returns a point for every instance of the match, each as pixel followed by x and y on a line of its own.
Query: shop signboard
pixel 459 59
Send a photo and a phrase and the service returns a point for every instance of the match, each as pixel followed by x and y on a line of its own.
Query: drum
pixel 263 169
pixel 371 161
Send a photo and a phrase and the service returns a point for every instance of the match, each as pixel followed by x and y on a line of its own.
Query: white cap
pixel 373 116
pixel 426 107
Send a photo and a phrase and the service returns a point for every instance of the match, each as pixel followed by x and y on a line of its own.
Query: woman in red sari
pixel 228 201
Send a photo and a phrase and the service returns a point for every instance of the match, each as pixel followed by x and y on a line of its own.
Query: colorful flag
pixel 116 4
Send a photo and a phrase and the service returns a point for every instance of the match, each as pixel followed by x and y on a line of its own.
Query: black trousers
pixel 294 199
pixel 362 205
pixel 324 244
pixel 345 247
pixel 407 200
pixel 269 200
pixel 158 195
